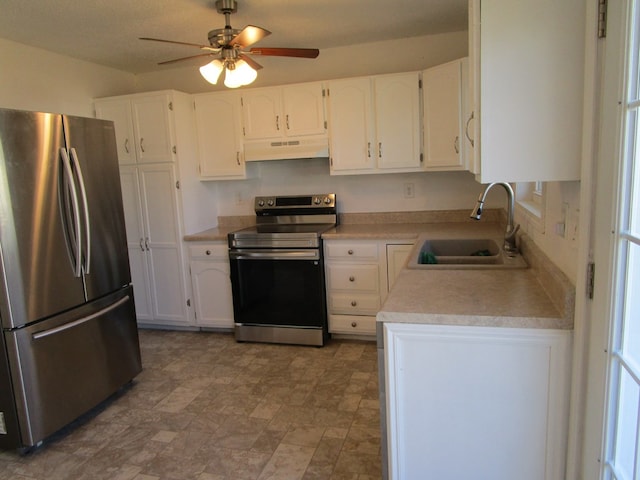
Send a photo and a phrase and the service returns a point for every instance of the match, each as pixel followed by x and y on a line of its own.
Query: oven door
pixel 278 289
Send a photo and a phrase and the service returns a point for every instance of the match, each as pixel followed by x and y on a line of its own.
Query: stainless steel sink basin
pixel 461 253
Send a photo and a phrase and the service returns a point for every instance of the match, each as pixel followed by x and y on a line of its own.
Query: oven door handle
pixel 310 254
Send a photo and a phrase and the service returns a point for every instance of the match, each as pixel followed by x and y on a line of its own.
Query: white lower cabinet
pixel 211 285
pixel 476 402
pixel 356 273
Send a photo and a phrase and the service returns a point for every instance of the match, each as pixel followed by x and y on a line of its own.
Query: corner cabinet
pixel 528 98
pixel 155 133
pixel 374 124
pixel 496 397
pixel 219 130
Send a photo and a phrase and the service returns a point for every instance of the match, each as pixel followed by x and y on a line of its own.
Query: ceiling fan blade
pixel 202 47
pixel 250 61
pixel 249 35
pixel 286 52
pixel 175 60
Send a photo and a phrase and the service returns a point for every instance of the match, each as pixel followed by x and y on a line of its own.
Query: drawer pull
pixel 350 252
pixel 208 252
pixel 353 303
pixel 352 278
pixel 354 324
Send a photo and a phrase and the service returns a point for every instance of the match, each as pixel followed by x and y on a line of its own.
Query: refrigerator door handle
pixel 77 239
pixel 80 321
pixel 85 204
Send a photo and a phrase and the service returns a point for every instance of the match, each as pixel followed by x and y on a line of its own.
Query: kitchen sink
pixel 462 253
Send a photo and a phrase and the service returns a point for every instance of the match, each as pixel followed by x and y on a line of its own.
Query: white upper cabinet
pixel 443 99
pixel 527 61
pixel 374 124
pixel 219 129
pixel 143 128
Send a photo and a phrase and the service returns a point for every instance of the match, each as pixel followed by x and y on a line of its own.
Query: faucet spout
pixel 510 233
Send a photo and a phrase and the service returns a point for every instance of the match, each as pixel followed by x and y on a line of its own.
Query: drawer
pixel 352 324
pixel 355 304
pixel 209 251
pixel 351 251
pixel 361 278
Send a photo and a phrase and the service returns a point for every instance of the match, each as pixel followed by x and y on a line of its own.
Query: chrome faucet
pixel 510 234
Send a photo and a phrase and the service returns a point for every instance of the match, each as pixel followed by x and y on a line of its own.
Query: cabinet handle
pixel 126 145
pixel 208 252
pixel 352 278
pixel 380 149
pixel 146 243
pixel 456 145
pixel 466 129
pixel 353 303
pixel 350 252
pixel 141 245
pixel 278 122
pixel 354 324
pixel 238 158
pixel 287 119
pixel 369 149
pixel 142 145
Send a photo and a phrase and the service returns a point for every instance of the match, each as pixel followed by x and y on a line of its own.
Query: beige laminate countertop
pixel 211 235
pixel 513 298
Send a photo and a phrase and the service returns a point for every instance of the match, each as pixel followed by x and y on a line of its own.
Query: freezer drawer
pixel 66 365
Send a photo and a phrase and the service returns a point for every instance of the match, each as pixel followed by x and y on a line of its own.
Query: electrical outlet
pixel 409 190
pixel 239 200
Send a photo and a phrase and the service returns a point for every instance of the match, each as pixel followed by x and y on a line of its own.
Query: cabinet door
pixel 166 266
pixel 134 225
pixel 152 126
pixel 219 131
pixel 351 126
pixel 212 293
pixel 442 101
pixel 396 258
pixel 261 114
pixel 531 94
pixel 397 116
pixel 119 112
pixel 497 397
pixel 303 109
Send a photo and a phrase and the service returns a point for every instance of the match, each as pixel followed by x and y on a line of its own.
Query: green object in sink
pixel 428 258
pixel 481 253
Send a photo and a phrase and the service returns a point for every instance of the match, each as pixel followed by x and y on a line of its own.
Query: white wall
pixel 35 79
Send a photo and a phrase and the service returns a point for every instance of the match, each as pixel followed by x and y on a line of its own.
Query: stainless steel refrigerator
pixel 69 335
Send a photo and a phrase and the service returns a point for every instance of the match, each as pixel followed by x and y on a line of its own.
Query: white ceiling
pixel 106 31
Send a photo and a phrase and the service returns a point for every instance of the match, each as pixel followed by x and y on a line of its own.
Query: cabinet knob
pixel 354 324
pixel 350 252
pixel 353 303
pixel 208 252
pixel 352 278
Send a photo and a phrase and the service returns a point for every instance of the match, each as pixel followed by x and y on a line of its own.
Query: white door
pixel 134 225
pixel 261 114
pixel 151 123
pixel 158 184
pixel 303 109
pixel 397 104
pixel 119 112
pixel 212 293
pixel 351 125
pixel 612 448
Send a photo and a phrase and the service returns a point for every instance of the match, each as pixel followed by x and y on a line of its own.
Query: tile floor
pixel 208 408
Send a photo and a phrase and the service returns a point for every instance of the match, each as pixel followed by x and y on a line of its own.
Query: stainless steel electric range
pixel 277 271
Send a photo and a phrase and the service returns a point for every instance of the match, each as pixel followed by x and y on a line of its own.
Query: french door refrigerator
pixel 69 335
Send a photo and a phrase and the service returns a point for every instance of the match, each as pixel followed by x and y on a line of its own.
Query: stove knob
pixel 317 200
pixel 270 202
pixel 261 203
pixel 327 200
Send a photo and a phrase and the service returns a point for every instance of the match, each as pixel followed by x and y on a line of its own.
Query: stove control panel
pixel 295 202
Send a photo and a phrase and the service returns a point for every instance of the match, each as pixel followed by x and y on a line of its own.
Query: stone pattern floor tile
pixel 208 408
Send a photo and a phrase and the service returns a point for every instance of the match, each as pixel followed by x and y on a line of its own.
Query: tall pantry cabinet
pixel 155 137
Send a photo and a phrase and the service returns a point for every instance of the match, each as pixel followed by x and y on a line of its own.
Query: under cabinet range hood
pixel 286 149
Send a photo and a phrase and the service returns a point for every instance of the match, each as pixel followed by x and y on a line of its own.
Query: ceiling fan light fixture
pixel 241 74
pixel 212 70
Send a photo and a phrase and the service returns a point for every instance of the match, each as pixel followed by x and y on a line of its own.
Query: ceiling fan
pixel 229 46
